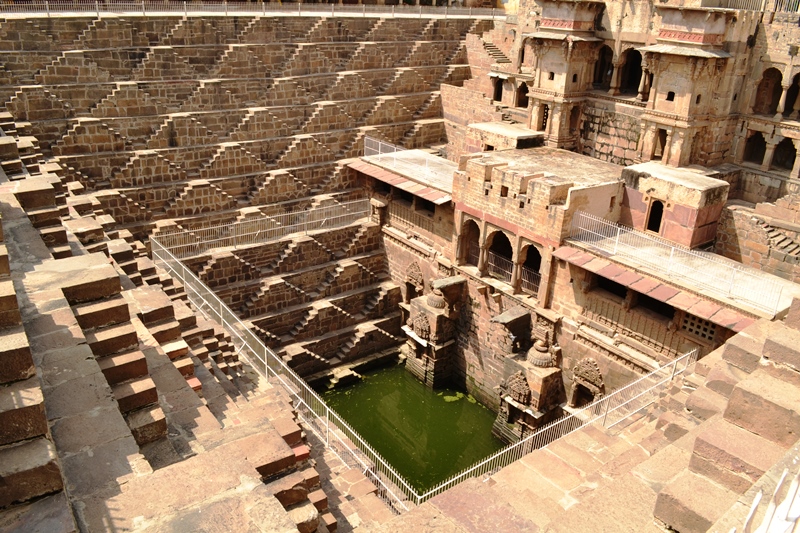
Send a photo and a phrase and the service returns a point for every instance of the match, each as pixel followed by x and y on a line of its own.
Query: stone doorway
pixel 587 384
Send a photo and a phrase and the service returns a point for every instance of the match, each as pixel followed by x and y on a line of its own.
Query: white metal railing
pixel 182 243
pixel 786 6
pixel 405 217
pixel 609 411
pixel 499 267
pixel 157 7
pixel 748 5
pixel 373 146
pixel 715 274
pixel 337 434
pixel 529 280
pixel 779 516
pixel 324 421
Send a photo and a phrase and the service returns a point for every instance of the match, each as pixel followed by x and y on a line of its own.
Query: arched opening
pixel 529 274
pixel 470 237
pixel 768 93
pixel 415 282
pixel 574 118
pixel 498 260
pixel 631 73
pixel 498 90
pixel 754 148
pixel 603 68
pixel 522 95
pixel 784 156
pixel 655 216
pixel 587 383
pixel 791 97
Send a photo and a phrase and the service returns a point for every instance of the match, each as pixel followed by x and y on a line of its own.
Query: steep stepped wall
pixel 182 85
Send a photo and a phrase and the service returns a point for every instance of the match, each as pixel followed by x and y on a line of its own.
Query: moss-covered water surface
pixel 427 435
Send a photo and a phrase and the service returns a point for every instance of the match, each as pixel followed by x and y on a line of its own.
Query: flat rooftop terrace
pixel 555 164
pixel 416 171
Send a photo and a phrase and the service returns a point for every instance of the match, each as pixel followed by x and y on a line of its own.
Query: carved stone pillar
pixel 615 79
pixel 515 273
pixel 795 174
pixel 782 102
pixel 796 109
pixel 765 164
pixel 482 259
pixel 643 91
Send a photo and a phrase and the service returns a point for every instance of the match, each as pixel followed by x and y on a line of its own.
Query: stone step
pixel 185 366
pixel 135 394
pixel 61 252
pixel 185 316
pixel 15 354
pixel 9 308
pixel 305 516
pixel 22 413
pixel 288 429
pixel 705 403
pixel 29 469
pixel 121 251
pixel 146 267
pixel 680 507
pixel 112 339
pixel 766 405
pixel 294 488
pixel 176 349
pixel 319 499
pixel 731 456
pixel 53 235
pixel 123 366
pixel 147 424
pixel 199 335
pixel 267 453
pixel 106 312
pixel 50 514
pixel 130 267
pixel 165 332
pixel 152 305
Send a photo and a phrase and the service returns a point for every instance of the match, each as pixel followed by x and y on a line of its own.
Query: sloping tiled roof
pixel 654 288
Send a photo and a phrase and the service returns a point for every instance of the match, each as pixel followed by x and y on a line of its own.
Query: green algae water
pixel 426 435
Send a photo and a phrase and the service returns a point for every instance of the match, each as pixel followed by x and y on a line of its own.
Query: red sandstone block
pixel 319 499
pixel 289 431
pixel 28 470
pixel 112 339
pixel 147 425
pixel 15 355
pixel 103 313
pixel 134 394
pixel 21 411
pixel 123 367
pixel 679 507
pixel 301 453
pixel 733 456
pixel 766 406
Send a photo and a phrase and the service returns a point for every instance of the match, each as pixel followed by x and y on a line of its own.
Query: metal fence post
pixel 47 7
pixel 185 9
pixel 616 241
pixel 143 13
pixel 608 402
pixel 97 7
pixel 327 426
